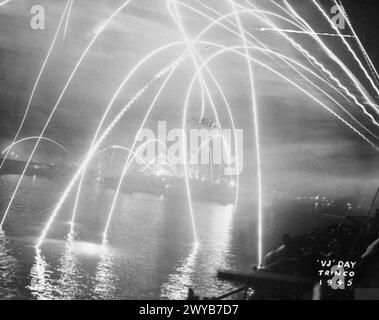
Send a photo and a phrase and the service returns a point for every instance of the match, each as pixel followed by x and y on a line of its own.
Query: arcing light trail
pixel 58 102
pixel 283 57
pixel 85 163
pixel 363 50
pixel 4 2
pixel 184 146
pixel 325 70
pixel 128 164
pixel 111 103
pixel 125 170
pixel 296 45
pixel 287 79
pixel 225 49
pixel 113 147
pixel 6 150
pixel 206 145
pixel 290 61
pixel 67 18
pixel 83 166
pixel 156 161
pixel 214 109
pixel 306 27
pixel 200 64
pixel 36 84
pixel 338 61
pixel 302 28
pixel 187 184
pixel 244 10
pixel 121 180
pixel 256 139
pixel 89 156
pixel 347 45
pixel 117 147
pixel 304 32
pixel 96 146
pixel 174 12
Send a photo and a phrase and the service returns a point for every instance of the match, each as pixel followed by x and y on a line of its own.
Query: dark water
pixel 150 251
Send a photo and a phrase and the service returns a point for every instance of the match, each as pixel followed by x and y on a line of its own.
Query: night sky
pixel 304 148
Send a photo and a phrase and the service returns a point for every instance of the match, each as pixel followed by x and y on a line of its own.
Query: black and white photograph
pixel 205 151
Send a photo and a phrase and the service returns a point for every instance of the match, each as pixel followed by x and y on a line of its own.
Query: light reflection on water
pixel 106 276
pixel 41 284
pixel 71 277
pixel 178 282
pixel 8 269
pixel 69 270
pixel 218 233
pixel 149 254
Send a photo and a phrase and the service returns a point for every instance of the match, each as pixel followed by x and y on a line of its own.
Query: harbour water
pixel 150 252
